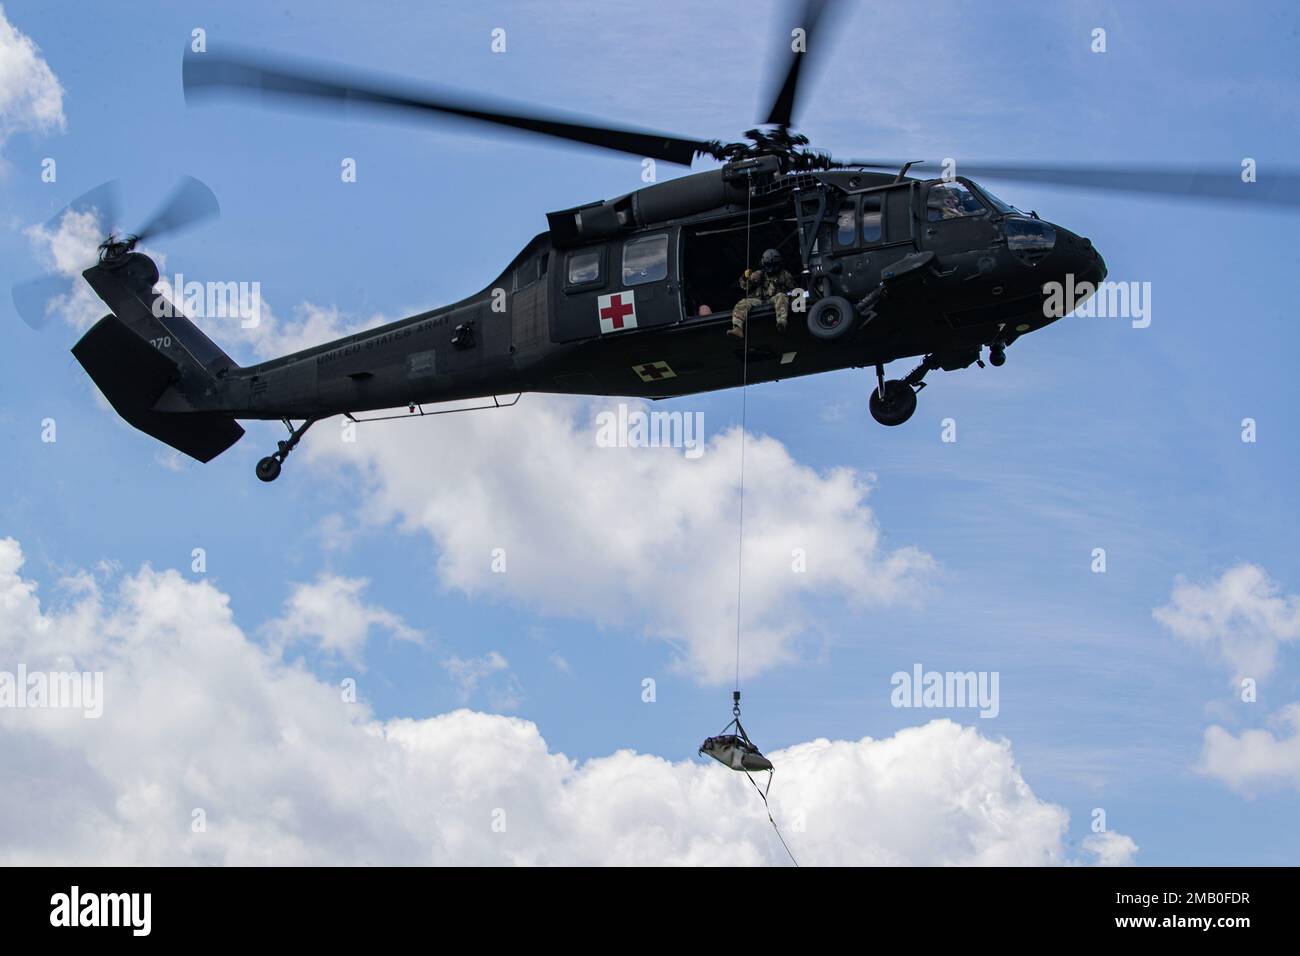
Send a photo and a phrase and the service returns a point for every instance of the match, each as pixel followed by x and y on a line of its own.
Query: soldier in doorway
pixel 771 283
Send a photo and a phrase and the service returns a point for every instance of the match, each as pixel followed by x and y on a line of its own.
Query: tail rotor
pixel 94 214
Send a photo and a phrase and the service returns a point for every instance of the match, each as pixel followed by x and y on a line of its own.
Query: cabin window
pixel 871 218
pixel 952 201
pixel 584 267
pixel 645 260
pixel 846 224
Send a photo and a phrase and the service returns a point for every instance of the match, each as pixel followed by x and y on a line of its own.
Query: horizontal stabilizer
pixel 133 375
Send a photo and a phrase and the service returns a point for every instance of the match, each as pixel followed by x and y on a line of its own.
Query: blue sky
pixel 1095 433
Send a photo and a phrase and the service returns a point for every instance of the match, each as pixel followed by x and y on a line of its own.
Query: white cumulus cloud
pixel 1242 617
pixel 1245 620
pixel 331 613
pixel 1257 759
pixel 640 539
pixel 1111 849
pixel 201 725
pixel 503 694
pixel 31 98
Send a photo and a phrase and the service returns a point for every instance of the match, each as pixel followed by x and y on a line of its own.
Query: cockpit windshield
pixel 1002 207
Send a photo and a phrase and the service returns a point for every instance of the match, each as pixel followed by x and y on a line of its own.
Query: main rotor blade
pixel 1274 186
pixel 211 73
pixel 190 203
pixel 785 100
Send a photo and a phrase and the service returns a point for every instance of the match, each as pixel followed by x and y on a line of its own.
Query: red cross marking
pixel 616 311
pixel 653 371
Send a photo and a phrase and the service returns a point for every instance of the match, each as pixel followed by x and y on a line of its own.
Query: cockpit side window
pixel 846 224
pixel 952 201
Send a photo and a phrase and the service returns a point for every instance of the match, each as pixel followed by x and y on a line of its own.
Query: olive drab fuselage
pixel 631 297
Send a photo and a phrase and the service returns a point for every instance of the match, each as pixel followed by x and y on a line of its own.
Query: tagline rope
pixel 744 395
pixel 740 534
pixel 771 819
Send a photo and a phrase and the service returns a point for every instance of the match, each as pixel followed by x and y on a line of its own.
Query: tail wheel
pixel 897 404
pixel 268 469
pixel 831 317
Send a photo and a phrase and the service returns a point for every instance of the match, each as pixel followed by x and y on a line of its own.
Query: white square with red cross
pixel 617 311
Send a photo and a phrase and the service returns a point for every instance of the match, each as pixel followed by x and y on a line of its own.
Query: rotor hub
pixel 114 250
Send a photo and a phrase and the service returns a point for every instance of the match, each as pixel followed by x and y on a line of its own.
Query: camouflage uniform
pixel 760 287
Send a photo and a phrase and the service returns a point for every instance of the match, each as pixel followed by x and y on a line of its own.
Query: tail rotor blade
pixel 32 298
pixel 190 203
pixel 101 202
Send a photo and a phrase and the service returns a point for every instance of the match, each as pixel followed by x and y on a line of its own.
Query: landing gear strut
pixel 893 402
pixel 268 469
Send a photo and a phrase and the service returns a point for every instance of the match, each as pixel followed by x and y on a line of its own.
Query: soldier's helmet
pixel 771 260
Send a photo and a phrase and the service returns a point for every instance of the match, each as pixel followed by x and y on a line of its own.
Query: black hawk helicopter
pixel 631 296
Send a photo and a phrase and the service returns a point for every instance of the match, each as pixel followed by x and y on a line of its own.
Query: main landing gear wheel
pixel 268 469
pixel 831 317
pixel 897 404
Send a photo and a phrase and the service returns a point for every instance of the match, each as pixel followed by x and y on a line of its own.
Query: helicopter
pixel 631 296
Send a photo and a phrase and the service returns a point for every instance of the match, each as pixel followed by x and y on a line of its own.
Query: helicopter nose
pixel 1098 262
pixel 1078 257
pixel 1071 273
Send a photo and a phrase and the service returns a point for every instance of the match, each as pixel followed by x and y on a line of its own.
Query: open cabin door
pixel 716 253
